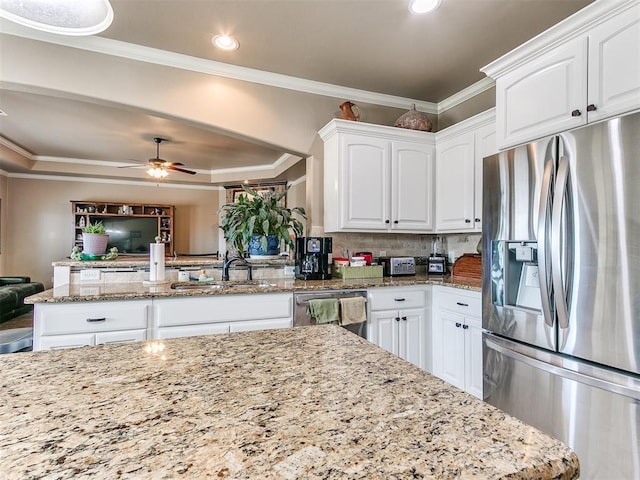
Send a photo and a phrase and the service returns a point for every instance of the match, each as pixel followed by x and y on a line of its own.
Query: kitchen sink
pixel 221 285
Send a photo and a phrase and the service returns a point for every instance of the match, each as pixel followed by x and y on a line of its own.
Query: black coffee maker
pixel 312 258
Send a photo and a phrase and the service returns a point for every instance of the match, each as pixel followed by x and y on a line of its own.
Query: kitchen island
pixel 307 402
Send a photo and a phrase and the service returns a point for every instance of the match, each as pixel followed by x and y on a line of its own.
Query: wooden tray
pixel 468 266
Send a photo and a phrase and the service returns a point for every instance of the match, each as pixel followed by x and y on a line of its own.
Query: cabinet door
pixel 125 336
pixel 453 349
pixel 412 186
pixel 64 341
pixel 365 186
pixel 411 337
pixel 383 330
pixel 485 145
pixel 192 330
pixel 614 66
pixel 267 324
pixel 538 98
pixel 455 181
pixel 473 357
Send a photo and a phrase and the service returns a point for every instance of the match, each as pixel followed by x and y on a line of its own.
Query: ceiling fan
pixel 158 167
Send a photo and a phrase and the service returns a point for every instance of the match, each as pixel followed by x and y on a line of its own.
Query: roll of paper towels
pixel 156 262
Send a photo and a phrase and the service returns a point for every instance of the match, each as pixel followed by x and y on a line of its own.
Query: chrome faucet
pixel 228 262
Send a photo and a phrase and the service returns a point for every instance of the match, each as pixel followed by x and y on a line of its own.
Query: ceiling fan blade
pixel 176 169
pixel 133 166
pixel 173 164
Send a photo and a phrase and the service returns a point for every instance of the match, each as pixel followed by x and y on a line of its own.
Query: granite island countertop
pixel 307 402
pixel 137 290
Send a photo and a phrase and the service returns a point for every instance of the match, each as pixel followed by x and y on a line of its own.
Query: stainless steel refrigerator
pixel 561 291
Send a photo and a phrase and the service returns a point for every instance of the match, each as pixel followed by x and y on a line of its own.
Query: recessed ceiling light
pixel 68 17
pixel 423 6
pixel 225 42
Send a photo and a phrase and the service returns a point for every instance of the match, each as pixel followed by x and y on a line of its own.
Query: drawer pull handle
pixel 465 326
pixel 458 324
pixel 94 320
pixel 462 304
pixel 398 299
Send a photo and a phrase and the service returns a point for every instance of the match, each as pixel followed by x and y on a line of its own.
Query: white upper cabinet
pixel 584 69
pixel 459 154
pixel 377 178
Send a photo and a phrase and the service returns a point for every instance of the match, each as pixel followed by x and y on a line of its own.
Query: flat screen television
pixel 131 235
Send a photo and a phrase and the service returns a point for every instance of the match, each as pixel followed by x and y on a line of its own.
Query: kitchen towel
pixel 352 310
pixel 324 310
pixel 156 262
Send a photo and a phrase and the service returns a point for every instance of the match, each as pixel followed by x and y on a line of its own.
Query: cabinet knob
pixel 397 319
pixel 466 220
pixel 591 108
pixel 395 221
pixel 576 113
pixel 386 221
pixel 477 220
pixel 404 318
pixel 458 324
pixel 465 326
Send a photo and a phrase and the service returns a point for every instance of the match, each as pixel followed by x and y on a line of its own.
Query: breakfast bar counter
pixel 307 402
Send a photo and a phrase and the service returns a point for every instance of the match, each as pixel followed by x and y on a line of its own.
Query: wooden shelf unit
pixel 90 211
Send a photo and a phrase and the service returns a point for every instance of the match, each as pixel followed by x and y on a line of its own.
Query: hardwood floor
pixel 25 320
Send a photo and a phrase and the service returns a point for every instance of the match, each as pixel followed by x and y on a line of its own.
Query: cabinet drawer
pixel 91 317
pixel 222 308
pixel 462 302
pixel 396 298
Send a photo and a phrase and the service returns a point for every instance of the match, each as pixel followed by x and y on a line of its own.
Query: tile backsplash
pixel 403 244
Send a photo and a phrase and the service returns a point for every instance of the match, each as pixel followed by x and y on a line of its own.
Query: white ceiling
pixel 368 45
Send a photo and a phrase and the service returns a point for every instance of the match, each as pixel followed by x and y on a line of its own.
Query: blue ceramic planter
pixel 256 246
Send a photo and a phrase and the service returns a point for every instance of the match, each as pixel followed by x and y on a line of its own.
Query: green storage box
pixel 369 271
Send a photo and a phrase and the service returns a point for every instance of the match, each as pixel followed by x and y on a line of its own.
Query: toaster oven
pixel 397 266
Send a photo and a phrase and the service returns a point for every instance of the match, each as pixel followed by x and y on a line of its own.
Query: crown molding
pixel 467 125
pixel 200 65
pixel 571 27
pixel 466 94
pixel 112 181
pixel 17 149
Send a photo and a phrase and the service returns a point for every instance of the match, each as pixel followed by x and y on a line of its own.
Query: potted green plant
pixel 258 222
pixel 94 239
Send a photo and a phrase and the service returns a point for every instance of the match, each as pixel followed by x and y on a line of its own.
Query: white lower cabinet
pixel 185 317
pixel 457 338
pixel 89 323
pixel 399 323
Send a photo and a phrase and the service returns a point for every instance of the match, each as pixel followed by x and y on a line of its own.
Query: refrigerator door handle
pixel 552 363
pixel 543 241
pixel 557 243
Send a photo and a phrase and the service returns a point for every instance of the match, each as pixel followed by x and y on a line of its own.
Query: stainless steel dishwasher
pixel 301 302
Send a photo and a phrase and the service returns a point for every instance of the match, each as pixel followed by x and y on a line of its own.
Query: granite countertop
pixel 124 261
pixel 137 290
pixel 307 402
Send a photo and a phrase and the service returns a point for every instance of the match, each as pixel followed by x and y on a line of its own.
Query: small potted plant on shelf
pixel 258 222
pixel 94 239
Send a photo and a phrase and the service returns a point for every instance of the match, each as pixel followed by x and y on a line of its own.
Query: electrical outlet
pixel 90 275
pixel 383 253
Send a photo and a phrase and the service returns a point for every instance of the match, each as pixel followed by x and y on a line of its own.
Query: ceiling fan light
pixel 157 172
pixel 420 7
pixel 225 42
pixel 65 17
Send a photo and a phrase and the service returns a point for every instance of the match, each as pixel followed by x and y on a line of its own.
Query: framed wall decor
pixel 234 191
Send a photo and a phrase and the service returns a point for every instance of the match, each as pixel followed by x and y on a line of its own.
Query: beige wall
pixel 39 227
pixel 4 208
